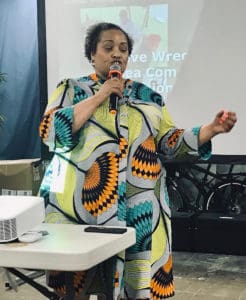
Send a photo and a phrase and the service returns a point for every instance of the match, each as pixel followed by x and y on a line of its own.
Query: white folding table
pixel 66 247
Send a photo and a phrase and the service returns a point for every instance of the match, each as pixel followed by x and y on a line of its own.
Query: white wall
pixel 207 38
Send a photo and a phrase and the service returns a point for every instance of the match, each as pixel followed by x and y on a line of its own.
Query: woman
pixel 106 168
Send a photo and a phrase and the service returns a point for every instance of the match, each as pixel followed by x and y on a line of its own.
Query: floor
pixel 209 276
pixel 197 276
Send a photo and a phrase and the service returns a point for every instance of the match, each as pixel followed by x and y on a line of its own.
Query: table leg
pixel 69 284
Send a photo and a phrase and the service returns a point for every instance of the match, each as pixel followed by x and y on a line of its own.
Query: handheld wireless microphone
pixel 114 71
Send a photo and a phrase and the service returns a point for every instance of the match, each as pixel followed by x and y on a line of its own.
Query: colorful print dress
pixel 110 173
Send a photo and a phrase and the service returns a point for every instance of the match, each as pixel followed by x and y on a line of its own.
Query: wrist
pixel 207 132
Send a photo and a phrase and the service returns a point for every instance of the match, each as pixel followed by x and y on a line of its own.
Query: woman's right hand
pixel 111 86
pixel 84 109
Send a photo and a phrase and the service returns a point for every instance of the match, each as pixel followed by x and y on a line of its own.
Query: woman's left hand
pixel 224 121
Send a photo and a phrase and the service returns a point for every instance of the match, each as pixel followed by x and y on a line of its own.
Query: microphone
pixel 114 71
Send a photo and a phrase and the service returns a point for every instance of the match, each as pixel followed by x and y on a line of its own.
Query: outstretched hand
pixel 224 121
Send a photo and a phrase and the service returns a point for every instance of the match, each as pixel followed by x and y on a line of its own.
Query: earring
pixel 93 63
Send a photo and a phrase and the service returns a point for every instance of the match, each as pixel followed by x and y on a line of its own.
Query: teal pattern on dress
pixel 110 173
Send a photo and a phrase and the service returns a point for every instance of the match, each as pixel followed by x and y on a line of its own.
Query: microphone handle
pixel 113 104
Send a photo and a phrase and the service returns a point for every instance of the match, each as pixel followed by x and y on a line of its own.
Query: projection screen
pixel 192 52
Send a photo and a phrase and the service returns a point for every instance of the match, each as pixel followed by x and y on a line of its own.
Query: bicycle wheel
pixel 229 197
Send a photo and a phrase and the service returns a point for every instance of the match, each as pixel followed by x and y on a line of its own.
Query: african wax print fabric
pixel 111 172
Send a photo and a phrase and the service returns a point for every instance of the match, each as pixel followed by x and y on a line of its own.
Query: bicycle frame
pixel 207 185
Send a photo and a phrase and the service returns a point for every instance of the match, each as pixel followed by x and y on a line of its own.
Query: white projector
pixel 19 214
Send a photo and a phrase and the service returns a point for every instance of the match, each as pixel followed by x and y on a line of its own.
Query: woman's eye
pixel 108 48
pixel 123 49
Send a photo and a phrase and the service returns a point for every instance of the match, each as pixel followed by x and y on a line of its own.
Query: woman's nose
pixel 116 54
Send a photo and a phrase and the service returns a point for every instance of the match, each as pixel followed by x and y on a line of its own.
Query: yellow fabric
pixel 64 198
pixel 57 93
pixel 165 126
pixel 135 275
pixel 159 240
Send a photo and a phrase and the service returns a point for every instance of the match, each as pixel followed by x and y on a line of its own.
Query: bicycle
pixel 195 188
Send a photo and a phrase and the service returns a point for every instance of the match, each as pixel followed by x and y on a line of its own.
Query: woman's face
pixel 112 47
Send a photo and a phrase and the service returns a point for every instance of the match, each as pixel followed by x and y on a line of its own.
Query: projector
pixel 19 214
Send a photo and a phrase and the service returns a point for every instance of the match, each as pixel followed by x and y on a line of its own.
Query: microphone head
pixel 115 66
pixel 115 70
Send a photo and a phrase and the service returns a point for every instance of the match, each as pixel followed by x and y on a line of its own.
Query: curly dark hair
pixel 93 36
